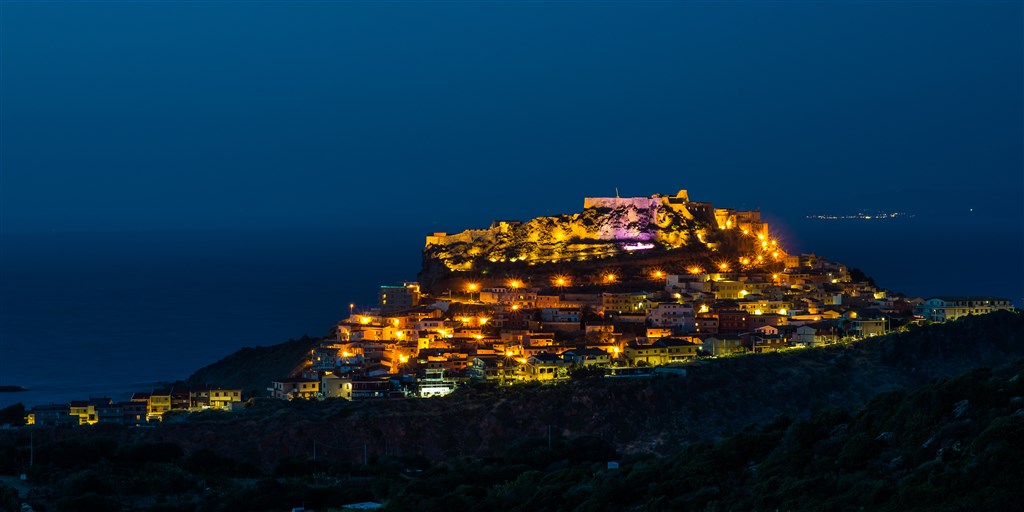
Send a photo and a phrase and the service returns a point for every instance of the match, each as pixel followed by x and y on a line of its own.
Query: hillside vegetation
pixel 251 369
pixel 925 420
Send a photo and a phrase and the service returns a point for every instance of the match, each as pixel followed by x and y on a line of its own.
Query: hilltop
pixel 625 233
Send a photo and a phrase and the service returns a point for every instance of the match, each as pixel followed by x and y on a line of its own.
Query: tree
pixel 858 276
pixel 586 372
pixel 13 415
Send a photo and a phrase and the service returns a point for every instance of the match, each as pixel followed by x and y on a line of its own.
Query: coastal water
pixel 104 314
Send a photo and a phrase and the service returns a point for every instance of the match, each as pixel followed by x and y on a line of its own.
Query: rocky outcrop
pixel 607 228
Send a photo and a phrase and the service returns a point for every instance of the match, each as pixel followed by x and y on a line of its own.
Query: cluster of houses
pixel 415 345
pixel 141 409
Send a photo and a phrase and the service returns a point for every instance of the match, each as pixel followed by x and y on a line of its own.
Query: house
pixel 765 339
pixel 498 368
pixel 731 290
pixel 586 357
pixel 804 336
pixel 560 315
pixel 672 314
pixel 864 327
pixel 133 413
pixel 435 383
pixel 625 303
pixel 721 345
pixel 111 414
pixel 654 333
pixel 52 415
pixel 295 387
pixel 706 323
pixel 942 309
pixel 324 358
pixel 225 399
pixel 546 367
pixel 199 399
pixel 86 410
pixel 371 388
pixel 732 321
pixel 391 299
pixel 663 351
pixel 335 386
pixel 180 399
pixel 159 404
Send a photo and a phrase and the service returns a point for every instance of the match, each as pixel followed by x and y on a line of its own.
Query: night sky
pixel 362 115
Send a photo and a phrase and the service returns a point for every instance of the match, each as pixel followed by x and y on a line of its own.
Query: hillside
pixel 715 399
pixel 923 420
pixel 251 369
pixel 954 444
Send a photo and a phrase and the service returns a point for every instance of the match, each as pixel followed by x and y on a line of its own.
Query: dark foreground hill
pixel 715 399
pixel 901 422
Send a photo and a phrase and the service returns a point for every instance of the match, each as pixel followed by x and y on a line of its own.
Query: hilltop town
pixel 627 288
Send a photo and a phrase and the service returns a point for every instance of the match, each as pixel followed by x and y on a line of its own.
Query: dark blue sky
pixel 182 115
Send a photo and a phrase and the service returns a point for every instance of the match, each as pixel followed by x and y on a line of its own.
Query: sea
pixel 106 314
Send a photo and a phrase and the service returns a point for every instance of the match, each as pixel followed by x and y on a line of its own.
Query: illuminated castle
pixel 607 226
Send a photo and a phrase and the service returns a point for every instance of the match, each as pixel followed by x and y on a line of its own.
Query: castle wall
pixel 641 203
pixel 464 237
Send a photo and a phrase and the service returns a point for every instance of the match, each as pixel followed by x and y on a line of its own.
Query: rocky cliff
pixel 610 230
